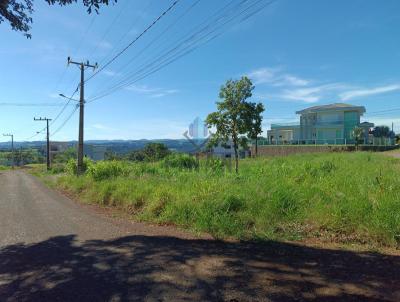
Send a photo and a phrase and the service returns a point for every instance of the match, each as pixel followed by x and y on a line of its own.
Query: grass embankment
pixel 2 168
pixel 345 197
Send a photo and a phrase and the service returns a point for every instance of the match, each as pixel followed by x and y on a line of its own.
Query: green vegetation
pixel 21 157
pixel 345 197
pixel 236 119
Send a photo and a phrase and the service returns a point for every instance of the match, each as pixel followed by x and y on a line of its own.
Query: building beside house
pixel 94 152
pixel 326 124
pixel 55 148
pixel 227 151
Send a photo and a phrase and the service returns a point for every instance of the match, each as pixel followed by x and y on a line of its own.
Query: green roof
pixel 332 107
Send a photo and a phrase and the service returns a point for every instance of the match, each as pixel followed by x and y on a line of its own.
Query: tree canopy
pixel 18 12
pixel 235 116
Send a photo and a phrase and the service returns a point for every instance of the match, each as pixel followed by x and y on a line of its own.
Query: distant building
pixel 283 133
pixel 94 152
pixel 326 124
pixel 55 148
pixel 227 151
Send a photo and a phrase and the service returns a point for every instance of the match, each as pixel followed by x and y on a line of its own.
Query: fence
pixel 376 141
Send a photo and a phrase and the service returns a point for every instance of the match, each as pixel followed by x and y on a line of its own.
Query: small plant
pixel 106 169
pixel 72 166
pixel 181 161
pixel 214 164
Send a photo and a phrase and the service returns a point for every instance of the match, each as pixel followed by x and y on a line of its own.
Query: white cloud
pixel 104 45
pixel 292 87
pixel 54 95
pixel 152 92
pixel 295 81
pixel 311 94
pixel 109 73
pixel 276 77
pixel 348 95
pixel 101 127
pixel 262 75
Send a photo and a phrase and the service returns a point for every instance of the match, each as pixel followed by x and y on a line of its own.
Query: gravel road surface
pixel 54 249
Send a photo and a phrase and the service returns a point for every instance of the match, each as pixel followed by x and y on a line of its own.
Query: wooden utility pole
pixel 48 138
pixel 82 67
pixel 12 147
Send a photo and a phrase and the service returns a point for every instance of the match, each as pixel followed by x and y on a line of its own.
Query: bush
pixel 181 161
pixel 214 164
pixel 107 169
pixel 71 166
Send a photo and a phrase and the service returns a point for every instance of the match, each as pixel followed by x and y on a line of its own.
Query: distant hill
pixel 118 146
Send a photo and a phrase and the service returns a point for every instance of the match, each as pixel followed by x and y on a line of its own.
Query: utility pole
pixel 82 67
pixel 48 138
pixel 12 147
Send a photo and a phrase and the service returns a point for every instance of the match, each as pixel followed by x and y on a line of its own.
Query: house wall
pixel 334 125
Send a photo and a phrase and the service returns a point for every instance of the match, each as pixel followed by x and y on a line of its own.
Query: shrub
pixel 181 161
pixel 72 166
pixel 214 164
pixel 106 169
pixel 57 168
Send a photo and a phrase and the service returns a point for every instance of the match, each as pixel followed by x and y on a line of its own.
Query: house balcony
pixel 329 124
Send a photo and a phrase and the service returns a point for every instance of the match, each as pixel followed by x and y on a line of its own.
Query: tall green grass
pixel 353 197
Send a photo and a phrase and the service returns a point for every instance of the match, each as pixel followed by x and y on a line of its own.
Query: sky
pixel 297 53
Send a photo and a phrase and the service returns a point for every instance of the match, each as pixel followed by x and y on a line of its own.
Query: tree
pixel 65 156
pixel 231 119
pixel 155 151
pixel 381 131
pixel 18 12
pixel 358 134
pixel 254 120
pixel 150 152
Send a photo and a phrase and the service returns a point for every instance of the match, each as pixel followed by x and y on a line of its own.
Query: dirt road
pixel 52 249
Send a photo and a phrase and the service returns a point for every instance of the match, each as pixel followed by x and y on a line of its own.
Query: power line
pixel 5 104
pixel 133 24
pixel 180 41
pixel 188 47
pixel 65 121
pixel 137 38
pixel 173 23
pixel 110 26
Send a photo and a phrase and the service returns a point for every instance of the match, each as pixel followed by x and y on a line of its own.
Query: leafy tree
pixel 150 152
pixel 155 151
pixel 18 12
pixel 64 157
pixel 111 155
pixel 254 120
pixel 358 134
pixel 231 119
pixel 381 131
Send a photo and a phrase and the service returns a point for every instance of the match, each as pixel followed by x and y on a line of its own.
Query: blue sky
pixel 298 53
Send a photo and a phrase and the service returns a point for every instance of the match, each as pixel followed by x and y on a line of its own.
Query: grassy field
pixel 339 197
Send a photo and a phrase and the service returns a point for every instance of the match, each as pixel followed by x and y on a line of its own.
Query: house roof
pixel 367 124
pixel 332 107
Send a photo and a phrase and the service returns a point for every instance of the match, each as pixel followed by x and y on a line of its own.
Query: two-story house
pixel 326 124
pixel 331 123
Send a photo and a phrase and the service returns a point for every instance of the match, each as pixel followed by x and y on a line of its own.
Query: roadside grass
pixel 339 197
pixel 3 168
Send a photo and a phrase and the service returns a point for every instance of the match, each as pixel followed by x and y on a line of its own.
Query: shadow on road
pixel 171 269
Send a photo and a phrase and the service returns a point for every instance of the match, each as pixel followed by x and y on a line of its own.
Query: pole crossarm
pixel 84 64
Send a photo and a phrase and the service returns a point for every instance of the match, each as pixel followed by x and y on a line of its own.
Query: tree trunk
pixel 256 145
pixel 235 146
